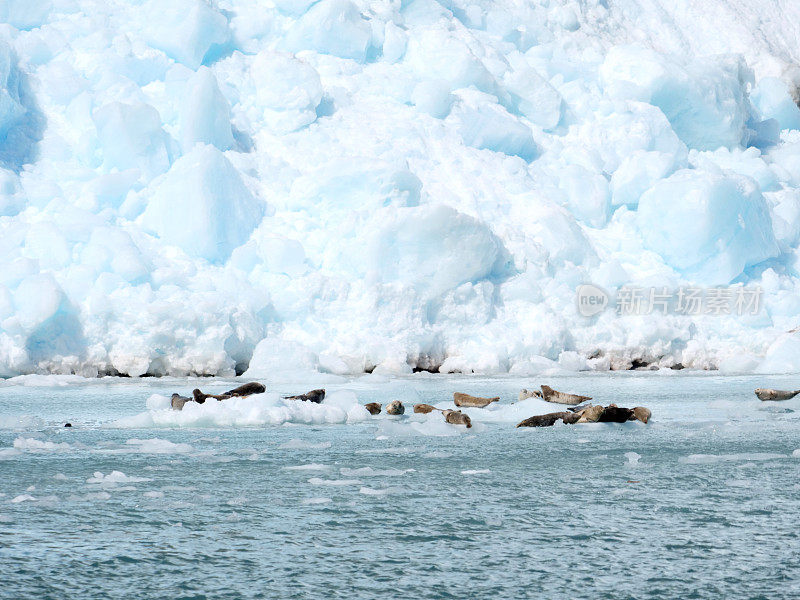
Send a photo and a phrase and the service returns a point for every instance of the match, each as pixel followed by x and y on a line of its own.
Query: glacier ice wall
pixel 199 187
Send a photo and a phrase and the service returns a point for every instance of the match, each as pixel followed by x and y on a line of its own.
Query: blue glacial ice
pixel 343 186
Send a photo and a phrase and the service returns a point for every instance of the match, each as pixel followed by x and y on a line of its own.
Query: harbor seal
pixel 551 395
pixel 395 407
pixel 765 394
pixel 640 413
pixel 525 394
pixel 248 389
pixel 315 396
pixel 615 414
pixel 177 401
pixel 373 408
pixel 243 391
pixel 547 420
pixel 456 417
pixel 590 414
pixel 424 408
pixel 474 401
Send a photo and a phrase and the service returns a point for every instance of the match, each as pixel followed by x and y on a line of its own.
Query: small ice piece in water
pixel 318 500
pixel 336 482
pixel 153 494
pixel 113 478
pixel 308 467
pixel 368 491
pixel 476 472
pixel 22 498
pixel 632 458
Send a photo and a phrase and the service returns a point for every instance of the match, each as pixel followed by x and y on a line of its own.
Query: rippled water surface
pixel 701 503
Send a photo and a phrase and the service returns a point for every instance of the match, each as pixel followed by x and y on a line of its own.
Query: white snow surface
pixel 290 186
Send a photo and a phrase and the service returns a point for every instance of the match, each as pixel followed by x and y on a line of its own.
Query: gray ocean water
pixel 703 502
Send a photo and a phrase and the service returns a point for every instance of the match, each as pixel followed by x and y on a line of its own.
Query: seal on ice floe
pixel 244 390
pixel 551 395
pixel 590 414
pixel 315 396
pixel 424 408
pixel 373 408
pixel 525 394
pixel 456 417
pixel 640 413
pixel 769 394
pixel 547 420
pixel 177 401
pixel 474 401
pixel 615 414
pixel 395 407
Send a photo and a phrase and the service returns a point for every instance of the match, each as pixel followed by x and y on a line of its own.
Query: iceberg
pixel 324 188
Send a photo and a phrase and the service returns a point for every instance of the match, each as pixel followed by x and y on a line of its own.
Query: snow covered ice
pixel 207 186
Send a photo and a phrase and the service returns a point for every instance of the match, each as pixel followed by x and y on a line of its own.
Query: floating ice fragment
pixel 632 458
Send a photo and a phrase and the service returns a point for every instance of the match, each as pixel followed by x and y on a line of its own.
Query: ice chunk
pixel 444 54
pixel 272 354
pixel 603 143
pixel 158 402
pixel 205 115
pixel 637 173
pixel 783 356
pixel 114 478
pixel 24 14
pixel 34 445
pixel 202 206
pixel 395 41
pixel 334 482
pixel 588 196
pixel 704 100
pixel 287 90
pixel 131 136
pixel 11 108
pixel 331 27
pixel 555 230
pixel 188 31
pixel 772 99
pixel 433 97
pixel 12 200
pixel 434 249
pixel 632 458
pixel 533 96
pixel 491 127
pixel 708 226
pixel 294 7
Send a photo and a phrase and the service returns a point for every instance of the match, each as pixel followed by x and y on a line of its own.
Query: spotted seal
pixel 373 408
pixel 315 396
pixel 456 417
pixel 247 389
pixel 551 395
pixel 395 407
pixel 177 401
pixel 460 399
pixel 765 394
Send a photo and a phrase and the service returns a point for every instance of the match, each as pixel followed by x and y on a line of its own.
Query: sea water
pixel 702 502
